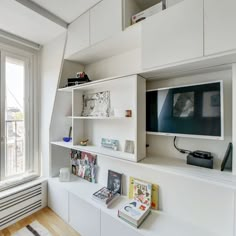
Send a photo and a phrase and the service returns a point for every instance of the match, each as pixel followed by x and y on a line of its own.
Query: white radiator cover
pixel 22 203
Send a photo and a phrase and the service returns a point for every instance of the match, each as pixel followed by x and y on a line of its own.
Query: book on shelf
pixel 134 213
pixel 142 192
pixel 114 181
pixel 107 195
pixel 154 197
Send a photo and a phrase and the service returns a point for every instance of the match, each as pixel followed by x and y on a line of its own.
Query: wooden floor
pixel 48 219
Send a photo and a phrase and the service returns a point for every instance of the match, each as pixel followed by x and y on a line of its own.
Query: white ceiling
pixel 67 10
pixel 21 21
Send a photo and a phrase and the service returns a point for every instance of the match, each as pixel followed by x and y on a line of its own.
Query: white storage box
pixel 148 12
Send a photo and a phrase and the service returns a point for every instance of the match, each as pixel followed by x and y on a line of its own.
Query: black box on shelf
pixel 202 161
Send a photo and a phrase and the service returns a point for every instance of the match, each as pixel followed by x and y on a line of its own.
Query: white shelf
pixel 100 118
pixel 179 167
pixel 96 150
pixel 92 84
pixel 157 224
pixel 173 166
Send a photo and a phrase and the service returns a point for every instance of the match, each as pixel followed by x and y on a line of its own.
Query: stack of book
pixel 134 213
pixel 144 196
pixel 107 195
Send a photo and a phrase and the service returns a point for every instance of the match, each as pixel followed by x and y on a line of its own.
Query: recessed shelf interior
pixel 94 128
pixel 133 7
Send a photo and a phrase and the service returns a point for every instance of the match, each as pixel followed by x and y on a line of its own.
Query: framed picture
pixel 227 161
pixel 114 181
pixel 110 143
pixel 129 146
pixel 96 104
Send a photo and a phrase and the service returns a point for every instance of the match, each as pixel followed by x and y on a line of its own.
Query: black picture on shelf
pixel 227 161
pixel 114 181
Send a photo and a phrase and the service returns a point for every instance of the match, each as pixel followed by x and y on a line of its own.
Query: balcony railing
pixel 15 147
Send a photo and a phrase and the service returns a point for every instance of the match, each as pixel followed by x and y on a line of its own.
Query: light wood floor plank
pixel 46 217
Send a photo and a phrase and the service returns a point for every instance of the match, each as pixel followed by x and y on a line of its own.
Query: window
pixel 18 147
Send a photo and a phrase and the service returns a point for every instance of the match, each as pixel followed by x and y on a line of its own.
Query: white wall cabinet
pixel 84 217
pixel 78 35
pixel 105 20
pixel 220 23
pixel 173 35
pixel 111 226
pixel 58 200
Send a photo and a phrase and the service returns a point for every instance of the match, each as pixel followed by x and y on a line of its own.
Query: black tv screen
pixel 195 110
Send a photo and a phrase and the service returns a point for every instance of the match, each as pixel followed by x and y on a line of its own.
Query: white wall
pixel 123 64
pixel 51 61
pixel 163 145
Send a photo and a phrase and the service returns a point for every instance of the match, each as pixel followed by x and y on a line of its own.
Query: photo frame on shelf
pixel 227 161
pixel 114 181
pixel 110 143
pixel 129 146
pixel 96 104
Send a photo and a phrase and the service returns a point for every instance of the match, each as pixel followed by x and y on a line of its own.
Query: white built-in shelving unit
pixel 171 49
pixel 126 93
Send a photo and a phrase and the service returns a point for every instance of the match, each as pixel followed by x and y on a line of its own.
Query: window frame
pixel 31 119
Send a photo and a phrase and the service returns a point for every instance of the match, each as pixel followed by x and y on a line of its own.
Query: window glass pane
pixel 14 117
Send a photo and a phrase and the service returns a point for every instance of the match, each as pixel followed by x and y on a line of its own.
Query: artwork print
pixel 84 165
pixel 183 104
pixel 142 192
pixel 114 181
pixel 96 104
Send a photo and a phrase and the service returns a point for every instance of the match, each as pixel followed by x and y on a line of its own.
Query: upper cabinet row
pixel 191 29
pixel 220 26
pixel 173 35
pixel 188 30
pixel 99 23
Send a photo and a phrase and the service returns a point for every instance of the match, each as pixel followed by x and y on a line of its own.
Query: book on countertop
pixel 154 197
pixel 105 196
pixel 142 192
pixel 134 213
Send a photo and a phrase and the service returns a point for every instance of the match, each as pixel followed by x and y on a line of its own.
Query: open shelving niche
pixel 133 7
pixel 123 96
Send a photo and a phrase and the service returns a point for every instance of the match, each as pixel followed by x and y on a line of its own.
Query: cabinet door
pixel 111 226
pixel 58 200
pixel 173 35
pixel 220 26
pixel 78 35
pixel 83 217
pixel 105 20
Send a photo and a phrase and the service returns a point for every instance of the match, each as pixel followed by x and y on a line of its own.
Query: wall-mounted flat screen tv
pixel 194 110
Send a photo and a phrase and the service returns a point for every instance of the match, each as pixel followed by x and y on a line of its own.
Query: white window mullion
pixel 2 107
pixel 28 121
